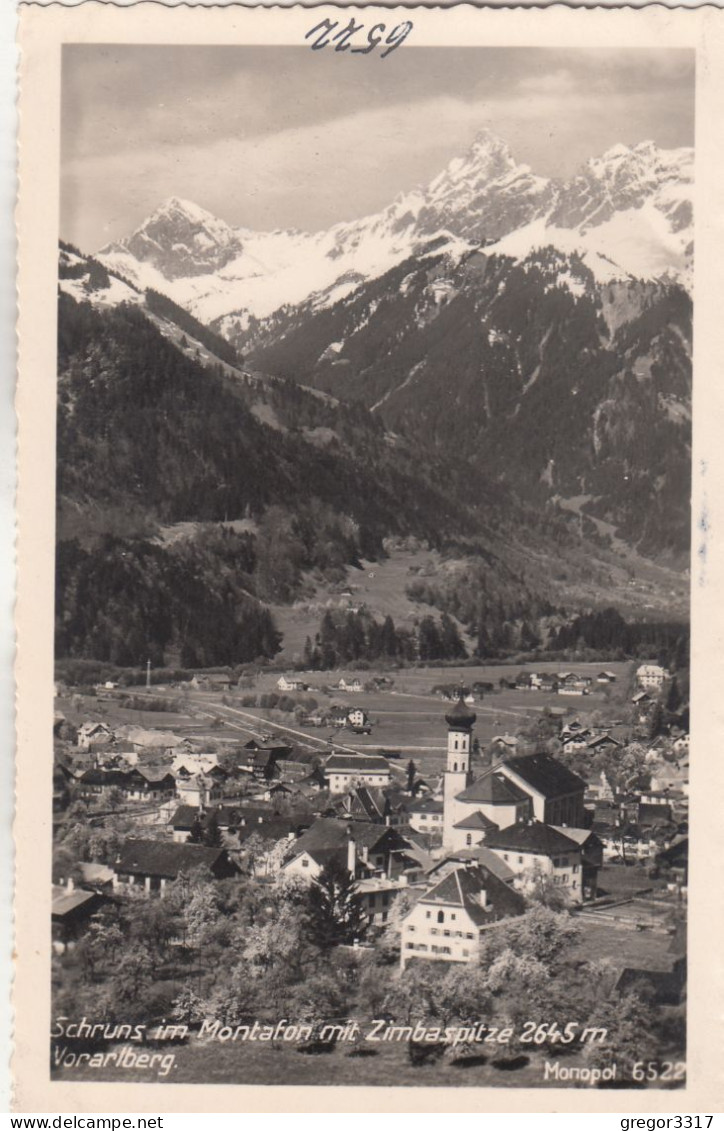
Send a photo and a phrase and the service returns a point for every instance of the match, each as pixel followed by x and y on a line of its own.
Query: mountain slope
pixel 533 374
pixel 193 491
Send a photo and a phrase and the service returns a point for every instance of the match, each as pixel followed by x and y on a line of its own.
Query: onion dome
pixel 460 717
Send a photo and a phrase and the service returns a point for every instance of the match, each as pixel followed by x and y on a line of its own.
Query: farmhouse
pixel 352 685
pixel 363 848
pixel 604 742
pixel 447 922
pixel 290 683
pixel 70 910
pixel 93 732
pixel 140 783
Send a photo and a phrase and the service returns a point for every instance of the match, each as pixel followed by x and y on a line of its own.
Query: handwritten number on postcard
pixel 341 39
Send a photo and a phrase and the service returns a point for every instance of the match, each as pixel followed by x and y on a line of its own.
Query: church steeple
pixel 460 721
pixel 457 777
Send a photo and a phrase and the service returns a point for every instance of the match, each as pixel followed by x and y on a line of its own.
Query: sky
pixel 283 137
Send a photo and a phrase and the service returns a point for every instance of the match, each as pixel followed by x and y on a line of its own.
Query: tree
pixel 542 934
pixel 629 1023
pixel 212 832
pixel 335 910
pixel 387 946
pixel 673 699
pixel 115 797
pixel 451 645
pixel 196 835
pixel 411 773
pixel 200 913
pixel 656 720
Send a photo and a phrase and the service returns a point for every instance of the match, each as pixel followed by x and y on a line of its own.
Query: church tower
pixel 458 776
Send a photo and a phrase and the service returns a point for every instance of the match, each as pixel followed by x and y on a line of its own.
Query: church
pixel 527 809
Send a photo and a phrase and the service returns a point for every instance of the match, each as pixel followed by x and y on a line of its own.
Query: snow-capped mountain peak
pixel 626 212
pixel 179 239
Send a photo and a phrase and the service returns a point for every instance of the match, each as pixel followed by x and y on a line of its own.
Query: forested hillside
pixel 276 484
pixel 194 491
pixel 532 373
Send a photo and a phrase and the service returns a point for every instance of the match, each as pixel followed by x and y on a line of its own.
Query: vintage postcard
pixel 370 440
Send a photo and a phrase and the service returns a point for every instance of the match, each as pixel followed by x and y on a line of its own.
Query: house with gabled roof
pixel 343 771
pixel 366 804
pixel 477 855
pixel 147 866
pixel 71 909
pixel 604 742
pixel 353 684
pixel 93 731
pixel 200 789
pixel 424 815
pixel 291 683
pixel 447 922
pixel 533 849
pixel 651 676
pixel 362 847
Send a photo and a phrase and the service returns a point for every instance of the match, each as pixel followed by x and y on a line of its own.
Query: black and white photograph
pixel 372 568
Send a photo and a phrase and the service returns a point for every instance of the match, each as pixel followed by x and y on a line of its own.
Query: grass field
pixel 386 1066
pixel 408 718
pixel 379 587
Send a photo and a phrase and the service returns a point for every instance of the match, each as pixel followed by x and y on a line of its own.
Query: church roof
pixel 545 775
pixel 476 820
pixel 492 788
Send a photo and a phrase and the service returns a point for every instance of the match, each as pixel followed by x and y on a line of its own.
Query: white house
pixel 447 922
pixel 651 676
pixel 356 717
pixel 534 849
pixel 200 790
pixel 353 685
pixel 425 815
pixel 93 732
pixel 289 683
pixel 342 771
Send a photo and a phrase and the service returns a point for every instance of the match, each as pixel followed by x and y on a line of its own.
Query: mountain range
pixel 496 367
pixel 628 214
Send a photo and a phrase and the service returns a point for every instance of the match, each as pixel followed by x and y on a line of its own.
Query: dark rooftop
pixel 494 789
pixel 166 858
pixel 545 775
pixel 462 888
pixel 532 836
